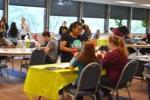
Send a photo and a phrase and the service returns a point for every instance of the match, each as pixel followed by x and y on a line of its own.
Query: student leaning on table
pixel 113 62
pixel 82 59
pixel 50 47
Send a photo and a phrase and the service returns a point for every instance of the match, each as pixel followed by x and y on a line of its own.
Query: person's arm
pixel 9 44
pixel 64 48
pixel 74 63
pixel 50 46
pixel 107 60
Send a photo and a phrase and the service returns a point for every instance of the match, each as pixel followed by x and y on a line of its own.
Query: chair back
pixel 127 75
pixel 90 78
pixel 37 57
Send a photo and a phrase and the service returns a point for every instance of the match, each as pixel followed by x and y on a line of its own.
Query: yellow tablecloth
pixel 47 83
pixel 101 42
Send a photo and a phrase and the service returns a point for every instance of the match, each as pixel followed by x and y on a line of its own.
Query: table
pixel 47 83
pixel 138 45
pixel 15 51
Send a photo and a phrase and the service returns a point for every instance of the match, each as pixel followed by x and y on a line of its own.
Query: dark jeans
pixel 105 81
pixel 48 61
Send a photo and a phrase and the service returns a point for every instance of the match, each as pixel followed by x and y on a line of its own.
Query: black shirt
pixel 71 43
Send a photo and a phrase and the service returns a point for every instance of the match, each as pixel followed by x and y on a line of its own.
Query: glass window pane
pixel 137 26
pixel 95 24
pixel 93 10
pixel 118 12
pixel 56 22
pixel 32 3
pixel 1 4
pixel 139 13
pixel 64 8
pixel 1 13
pixel 115 23
pixel 33 15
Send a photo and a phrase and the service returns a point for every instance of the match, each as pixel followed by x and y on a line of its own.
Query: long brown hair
pixel 87 54
pixel 120 44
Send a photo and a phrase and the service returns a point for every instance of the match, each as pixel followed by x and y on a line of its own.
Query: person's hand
pixel 74 51
pixel 99 56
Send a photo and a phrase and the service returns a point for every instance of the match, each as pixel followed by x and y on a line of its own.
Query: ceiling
pixel 137 3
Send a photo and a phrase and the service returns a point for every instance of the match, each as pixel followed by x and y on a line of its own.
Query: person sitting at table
pixel 113 62
pixel 13 33
pixel 50 48
pixel 86 57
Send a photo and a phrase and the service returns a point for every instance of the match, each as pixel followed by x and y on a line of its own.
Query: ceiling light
pixel 125 2
pixel 146 5
pixel 60 2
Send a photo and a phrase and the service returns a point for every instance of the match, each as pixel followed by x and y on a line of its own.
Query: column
pixel 130 13
pixel 47 14
pixel 107 17
pixel 81 11
pixel 148 22
pixel 6 3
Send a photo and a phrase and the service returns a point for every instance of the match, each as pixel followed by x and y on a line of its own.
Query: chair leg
pixel 21 62
pixel 142 80
pixel 117 95
pixel 40 97
pixel 1 72
pixel 7 72
pixel 94 97
pixel 128 93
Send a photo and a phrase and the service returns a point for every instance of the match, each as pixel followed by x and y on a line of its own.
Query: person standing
pixel 24 28
pixel 70 42
pixel 63 29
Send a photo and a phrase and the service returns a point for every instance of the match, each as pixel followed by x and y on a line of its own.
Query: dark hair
pixel 124 30
pixel 87 55
pixel 13 31
pixel 73 25
pixel 46 33
pixel 82 21
pixel 111 28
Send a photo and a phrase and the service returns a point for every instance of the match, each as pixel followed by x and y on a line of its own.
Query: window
pixel 118 16
pixel 93 16
pixel 1 7
pixel 115 23
pixel 95 24
pixel 1 13
pixel 137 26
pixel 35 20
pixel 56 22
pixel 25 8
pixel 62 10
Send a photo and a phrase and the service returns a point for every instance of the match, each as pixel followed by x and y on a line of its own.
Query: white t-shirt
pixel 24 29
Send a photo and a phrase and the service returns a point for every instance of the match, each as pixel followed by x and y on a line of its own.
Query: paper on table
pixel 64 65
